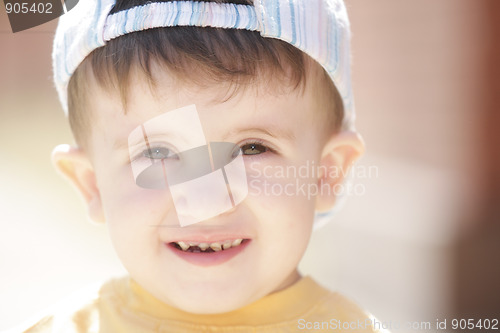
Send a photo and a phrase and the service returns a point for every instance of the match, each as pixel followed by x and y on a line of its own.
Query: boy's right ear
pixel 75 166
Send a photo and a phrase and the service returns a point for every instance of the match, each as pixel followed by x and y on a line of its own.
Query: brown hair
pixel 235 57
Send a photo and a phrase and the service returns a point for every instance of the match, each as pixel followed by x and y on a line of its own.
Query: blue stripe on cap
pixel 292 17
pixel 177 14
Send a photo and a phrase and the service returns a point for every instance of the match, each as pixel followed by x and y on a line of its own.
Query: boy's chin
pixel 209 295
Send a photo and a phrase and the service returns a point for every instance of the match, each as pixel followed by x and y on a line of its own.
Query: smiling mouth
pixel 200 247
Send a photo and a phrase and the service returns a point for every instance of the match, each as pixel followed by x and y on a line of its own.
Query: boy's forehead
pixel 256 101
pixel 250 110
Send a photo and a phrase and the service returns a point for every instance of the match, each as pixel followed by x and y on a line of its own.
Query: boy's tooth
pixel 216 246
pixel 183 246
pixel 237 242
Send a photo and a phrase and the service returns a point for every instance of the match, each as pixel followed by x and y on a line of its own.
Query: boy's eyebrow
pixel 276 133
pixel 118 144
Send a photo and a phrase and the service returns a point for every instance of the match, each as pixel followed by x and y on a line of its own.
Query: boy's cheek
pixel 281 184
pixel 136 205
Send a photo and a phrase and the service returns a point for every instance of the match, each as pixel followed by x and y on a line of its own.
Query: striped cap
pixel 320 28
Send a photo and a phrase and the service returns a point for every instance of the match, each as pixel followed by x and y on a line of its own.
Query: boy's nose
pixel 200 193
pixel 201 199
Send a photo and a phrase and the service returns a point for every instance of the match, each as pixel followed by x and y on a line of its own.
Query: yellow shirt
pixel 122 305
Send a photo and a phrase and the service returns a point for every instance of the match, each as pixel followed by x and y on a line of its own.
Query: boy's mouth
pixel 199 247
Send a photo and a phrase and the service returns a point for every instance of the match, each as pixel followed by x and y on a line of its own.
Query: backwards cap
pixel 320 28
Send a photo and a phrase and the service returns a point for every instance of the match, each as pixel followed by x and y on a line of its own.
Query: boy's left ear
pixel 74 165
pixel 339 153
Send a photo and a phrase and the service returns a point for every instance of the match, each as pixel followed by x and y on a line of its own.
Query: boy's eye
pixel 253 149
pixel 157 153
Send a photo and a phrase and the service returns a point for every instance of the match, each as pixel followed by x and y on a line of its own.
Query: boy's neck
pixel 289 281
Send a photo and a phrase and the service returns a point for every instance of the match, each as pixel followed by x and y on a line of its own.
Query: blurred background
pixel 422 241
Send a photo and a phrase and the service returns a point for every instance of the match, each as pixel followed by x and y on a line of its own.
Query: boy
pixel 191 120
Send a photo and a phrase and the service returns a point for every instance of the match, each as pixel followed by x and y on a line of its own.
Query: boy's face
pixel 278 133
